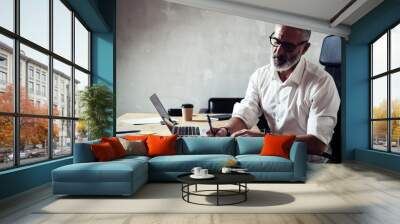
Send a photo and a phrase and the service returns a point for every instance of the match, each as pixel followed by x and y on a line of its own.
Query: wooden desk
pixel 198 120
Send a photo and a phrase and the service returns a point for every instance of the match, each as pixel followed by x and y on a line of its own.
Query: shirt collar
pixel 295 76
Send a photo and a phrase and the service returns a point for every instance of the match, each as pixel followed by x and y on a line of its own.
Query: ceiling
pixel 326 16
pixel 321 9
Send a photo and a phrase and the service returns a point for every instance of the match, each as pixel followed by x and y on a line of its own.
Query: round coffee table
pixel 238 179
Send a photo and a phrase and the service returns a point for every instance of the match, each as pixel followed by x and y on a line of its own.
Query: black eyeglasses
pixel 288 47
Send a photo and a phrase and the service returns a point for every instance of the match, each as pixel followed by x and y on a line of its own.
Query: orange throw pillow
pixel 116 145
pixel 136 137
pixel 161 145
pixel 103 152
pixel 277 145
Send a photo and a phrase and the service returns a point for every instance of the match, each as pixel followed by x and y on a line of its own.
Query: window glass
pixel 81 45
pixel 81 131
pixel 379 56
pixel 395 138
pixel 6 142
pixel 6 74
pixel 39 62
pixel 395 47
pixel 34 80
pixel 62 29
pixel 395 95
pixel 33 140
pixel 62 91
pixel 62 138
pixel 379 98
pixel 34 21
pixel 379 135
pixel 81 82
pixel 7 14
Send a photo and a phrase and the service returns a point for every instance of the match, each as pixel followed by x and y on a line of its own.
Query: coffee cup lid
pixel 187 105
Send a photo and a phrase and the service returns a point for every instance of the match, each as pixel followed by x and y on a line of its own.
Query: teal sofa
pixel 125 176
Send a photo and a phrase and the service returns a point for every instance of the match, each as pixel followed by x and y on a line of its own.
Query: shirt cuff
pixel 245 114
pixel 322 128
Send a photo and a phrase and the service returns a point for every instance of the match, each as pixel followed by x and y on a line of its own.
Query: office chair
pixel 331 58
pixel 222 105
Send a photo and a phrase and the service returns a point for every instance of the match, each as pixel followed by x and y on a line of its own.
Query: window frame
pixel 388 74
pixel 16 114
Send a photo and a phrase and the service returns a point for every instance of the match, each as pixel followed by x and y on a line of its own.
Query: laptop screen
pixel 159 107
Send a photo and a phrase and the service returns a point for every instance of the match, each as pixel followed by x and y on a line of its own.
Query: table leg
pixel 245 191
pixel 188 190
pixel 217 194
pixel 196 187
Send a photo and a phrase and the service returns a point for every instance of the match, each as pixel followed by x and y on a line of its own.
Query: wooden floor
pixel 378 188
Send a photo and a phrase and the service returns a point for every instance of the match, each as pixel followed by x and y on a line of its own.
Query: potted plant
pixel 96 102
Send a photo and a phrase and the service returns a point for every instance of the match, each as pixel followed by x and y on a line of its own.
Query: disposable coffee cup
pixel 187 111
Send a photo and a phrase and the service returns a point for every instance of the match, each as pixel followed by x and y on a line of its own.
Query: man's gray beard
pixel 288 65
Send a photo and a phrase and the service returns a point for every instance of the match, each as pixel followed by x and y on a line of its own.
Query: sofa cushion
pixel 277 145
pixel 116 145
pixel 161 145
pixel 112 171
pixel 257 163
pixel 185 163
pixel 249 145
pixel 136 147
pixel 206 145
pixel 136 137
pixel 103 152
pixel 131 158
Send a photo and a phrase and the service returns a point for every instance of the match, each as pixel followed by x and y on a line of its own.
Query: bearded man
pixel 294 95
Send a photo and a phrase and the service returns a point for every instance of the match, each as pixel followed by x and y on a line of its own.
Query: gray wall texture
pixel 186 54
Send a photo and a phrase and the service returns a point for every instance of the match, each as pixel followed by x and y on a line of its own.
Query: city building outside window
pixel 30 72
pixel 30 87
pixel 3 78
pixel 37 74
pixel 44 77
pixel 43 90
pixel 3 60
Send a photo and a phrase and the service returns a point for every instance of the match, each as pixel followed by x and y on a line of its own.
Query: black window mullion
pixel 73 82
pixel 16 84
pixel 389 100
pixel 50 87
pixel 371 124
pixel 89 52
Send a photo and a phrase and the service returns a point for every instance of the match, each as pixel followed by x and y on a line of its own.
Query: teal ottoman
pixel 118 177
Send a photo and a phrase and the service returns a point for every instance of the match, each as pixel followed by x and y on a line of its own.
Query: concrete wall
pixel 186 54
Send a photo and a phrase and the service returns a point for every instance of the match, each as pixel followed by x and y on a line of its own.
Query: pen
pixel 209 124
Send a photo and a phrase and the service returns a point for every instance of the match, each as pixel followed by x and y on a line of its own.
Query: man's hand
pixel 219 132
pixel 247 133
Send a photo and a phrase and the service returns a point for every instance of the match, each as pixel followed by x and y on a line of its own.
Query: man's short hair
pixel 306 33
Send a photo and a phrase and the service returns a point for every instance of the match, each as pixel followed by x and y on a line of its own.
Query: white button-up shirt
pixel 306 103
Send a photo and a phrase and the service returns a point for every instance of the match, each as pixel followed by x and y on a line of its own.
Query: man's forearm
pixel 235 124
pixel 314 145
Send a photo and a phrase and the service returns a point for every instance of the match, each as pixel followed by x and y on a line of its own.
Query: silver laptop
pixel 173 125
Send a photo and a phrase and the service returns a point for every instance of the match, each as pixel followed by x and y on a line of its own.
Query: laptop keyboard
pixel 186 130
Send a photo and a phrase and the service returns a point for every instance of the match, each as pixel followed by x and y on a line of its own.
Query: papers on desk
pixel 139 121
